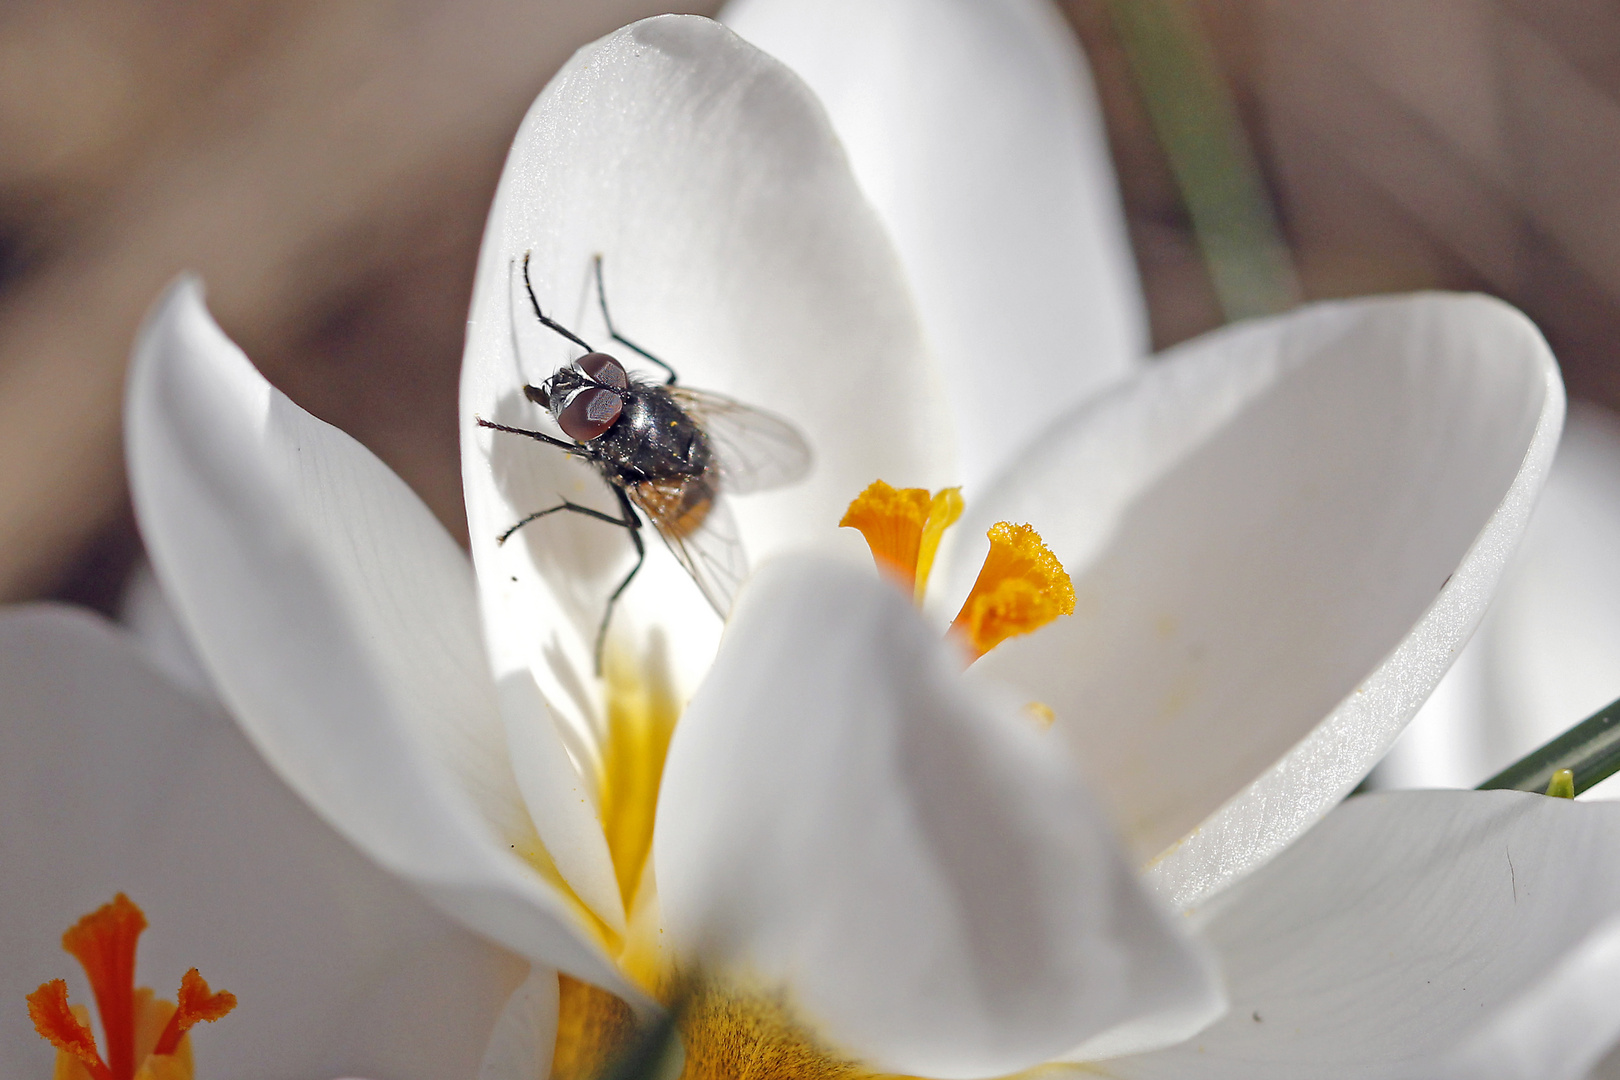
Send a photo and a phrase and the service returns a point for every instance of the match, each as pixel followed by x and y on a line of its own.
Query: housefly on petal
pixel 667 452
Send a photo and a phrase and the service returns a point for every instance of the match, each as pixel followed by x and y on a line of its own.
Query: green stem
pixel 1590 750
pixel 1197 124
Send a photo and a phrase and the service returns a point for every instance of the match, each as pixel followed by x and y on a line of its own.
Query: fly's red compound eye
pixel 592 412
pixel 602 368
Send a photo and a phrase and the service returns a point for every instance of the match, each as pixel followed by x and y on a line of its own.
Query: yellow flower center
pixel 1020 588
pixel 146 1038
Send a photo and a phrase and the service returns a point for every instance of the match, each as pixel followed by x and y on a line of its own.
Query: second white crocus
pixel 1279 536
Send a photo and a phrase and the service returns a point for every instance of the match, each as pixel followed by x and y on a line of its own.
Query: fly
pixel 667 452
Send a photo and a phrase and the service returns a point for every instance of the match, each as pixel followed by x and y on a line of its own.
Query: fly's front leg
pixel 601 296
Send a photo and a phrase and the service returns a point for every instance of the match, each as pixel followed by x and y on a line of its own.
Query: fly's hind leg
pixel 601 296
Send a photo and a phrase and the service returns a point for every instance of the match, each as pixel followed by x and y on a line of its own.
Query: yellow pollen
pixel 1040 712
pixel 727 1035
pixel 903 527
pixel 1020 588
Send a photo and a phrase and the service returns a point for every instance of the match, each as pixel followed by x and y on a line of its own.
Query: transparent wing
pixel 757 450
pixel 711 552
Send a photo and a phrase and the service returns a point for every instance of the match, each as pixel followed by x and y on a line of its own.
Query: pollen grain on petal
pixel 903 527
pixel 1020 588
pixel 1040 712
pixel 53 1018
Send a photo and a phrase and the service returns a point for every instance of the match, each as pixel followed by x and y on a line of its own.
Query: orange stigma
pixel 1021 586
pixel 1020 589
pixel 903 527
pixel 145 1038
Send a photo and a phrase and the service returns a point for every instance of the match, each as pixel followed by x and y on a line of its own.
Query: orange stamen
pixel 54 1020
pixel 1020 588
pixel 197 1004
pixel 104 943
pixel 903 527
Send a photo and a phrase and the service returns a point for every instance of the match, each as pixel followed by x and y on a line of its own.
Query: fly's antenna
pixel 548 323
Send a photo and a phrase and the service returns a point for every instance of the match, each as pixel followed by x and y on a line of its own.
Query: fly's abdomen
pixel 679 506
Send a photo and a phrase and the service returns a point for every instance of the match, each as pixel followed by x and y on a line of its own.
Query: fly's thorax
pixel 655 439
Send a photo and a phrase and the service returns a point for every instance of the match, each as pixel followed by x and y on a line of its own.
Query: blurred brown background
pixel 327 168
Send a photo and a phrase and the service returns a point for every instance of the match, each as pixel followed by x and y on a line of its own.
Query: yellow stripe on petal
pixel 1021 588
pixel 903 527
pixel 641 715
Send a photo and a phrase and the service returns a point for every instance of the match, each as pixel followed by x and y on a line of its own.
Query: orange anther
pixel 1020 588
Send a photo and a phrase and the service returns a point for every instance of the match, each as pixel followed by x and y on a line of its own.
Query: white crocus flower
pixel 1279 534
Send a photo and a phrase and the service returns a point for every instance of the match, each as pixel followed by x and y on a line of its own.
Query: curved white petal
pixel 145 612
pixel 337 620
pixel 1280 536
pixel 1443 935
pixel 1548 654
pixel 974 128
pixel 525 1033
pixel 843 814
pixel 738 247
pixel 112 779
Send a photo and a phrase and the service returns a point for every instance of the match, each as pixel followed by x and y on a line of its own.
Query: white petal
pixel 1548 655
pixel 737 246
pixel 111 779
pixel 525 1033
pixel 145 612
pixel 1443 744
pixel 337 620
pixel 1280 536
pixel 973 126
pixel 1466 935
pixel 842 813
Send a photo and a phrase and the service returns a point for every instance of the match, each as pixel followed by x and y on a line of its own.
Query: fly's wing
pixel 710 549
pixel 756 450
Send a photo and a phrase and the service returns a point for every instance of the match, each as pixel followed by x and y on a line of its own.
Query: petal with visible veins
pixel 1447 935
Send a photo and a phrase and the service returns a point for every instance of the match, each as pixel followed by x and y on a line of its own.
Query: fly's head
pixel 585 398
